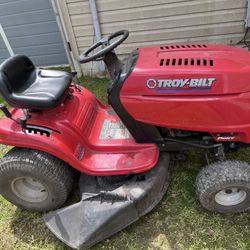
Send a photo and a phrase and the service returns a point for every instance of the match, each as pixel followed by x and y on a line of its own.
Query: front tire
pixel 224 187
pixel 34 180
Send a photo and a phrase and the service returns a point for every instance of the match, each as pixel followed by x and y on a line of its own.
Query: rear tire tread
pixel 17 159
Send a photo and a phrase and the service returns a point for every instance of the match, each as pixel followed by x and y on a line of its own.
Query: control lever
pixel 6 111
pixel 74 74
pixel 75 80
pixel 23 122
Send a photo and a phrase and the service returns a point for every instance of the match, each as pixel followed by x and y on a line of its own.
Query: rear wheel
pixel 35 180
pixel 224 187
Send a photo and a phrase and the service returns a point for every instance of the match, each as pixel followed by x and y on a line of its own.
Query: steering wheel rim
pixel 107 47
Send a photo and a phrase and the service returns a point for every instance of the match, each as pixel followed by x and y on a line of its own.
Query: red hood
pixel 189 69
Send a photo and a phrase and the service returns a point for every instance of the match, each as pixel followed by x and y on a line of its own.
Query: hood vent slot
pixel 183 46
pixel 187 62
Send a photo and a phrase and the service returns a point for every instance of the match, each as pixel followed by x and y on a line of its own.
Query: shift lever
pixel 21 121
pixel 6 111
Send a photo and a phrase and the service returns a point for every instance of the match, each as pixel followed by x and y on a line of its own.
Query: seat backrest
pixel 17 72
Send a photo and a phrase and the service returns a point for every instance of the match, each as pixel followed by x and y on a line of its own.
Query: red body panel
pixel 78 123
pixel 222 107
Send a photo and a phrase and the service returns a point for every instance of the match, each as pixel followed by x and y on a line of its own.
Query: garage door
pixel 32 30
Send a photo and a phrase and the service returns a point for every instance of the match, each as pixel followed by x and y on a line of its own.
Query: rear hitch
pixel 106 207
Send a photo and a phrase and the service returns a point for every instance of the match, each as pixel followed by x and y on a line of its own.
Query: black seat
pixel 24 86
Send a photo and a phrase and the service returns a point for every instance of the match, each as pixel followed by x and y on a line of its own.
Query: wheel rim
pixel 230 196
pixel 29 189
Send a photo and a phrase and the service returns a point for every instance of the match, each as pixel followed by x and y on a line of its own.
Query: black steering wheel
pixel 106 47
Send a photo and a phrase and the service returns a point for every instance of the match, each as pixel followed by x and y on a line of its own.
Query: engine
pixel 191 87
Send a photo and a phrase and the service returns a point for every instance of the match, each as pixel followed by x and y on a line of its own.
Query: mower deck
pixel 107 206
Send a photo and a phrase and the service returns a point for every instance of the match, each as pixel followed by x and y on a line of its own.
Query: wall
pixel 157 22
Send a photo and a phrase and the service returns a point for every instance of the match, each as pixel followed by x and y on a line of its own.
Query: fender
pixel 72 132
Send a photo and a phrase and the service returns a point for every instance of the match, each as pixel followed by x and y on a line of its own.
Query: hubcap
pixel 29 189
pixel 230 196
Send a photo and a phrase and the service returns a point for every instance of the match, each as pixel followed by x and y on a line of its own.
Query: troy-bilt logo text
pixel 181 84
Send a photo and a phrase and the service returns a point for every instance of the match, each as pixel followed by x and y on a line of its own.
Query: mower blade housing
pixel 106 207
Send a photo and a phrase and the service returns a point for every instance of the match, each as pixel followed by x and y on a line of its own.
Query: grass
pixel 178 222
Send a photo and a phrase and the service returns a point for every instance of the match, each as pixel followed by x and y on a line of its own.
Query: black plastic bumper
pixel 107 208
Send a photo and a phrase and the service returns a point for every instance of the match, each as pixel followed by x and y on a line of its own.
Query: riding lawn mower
pixel 164 100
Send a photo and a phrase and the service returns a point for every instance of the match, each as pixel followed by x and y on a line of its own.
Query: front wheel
pixel 34 180
pixel 224 187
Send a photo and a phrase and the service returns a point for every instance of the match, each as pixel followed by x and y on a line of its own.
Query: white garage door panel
pixel 22 6
pixel 43 39
pixel 32 30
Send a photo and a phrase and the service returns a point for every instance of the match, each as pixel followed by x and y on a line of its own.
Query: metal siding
pixel 160 21
pixel 32 30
